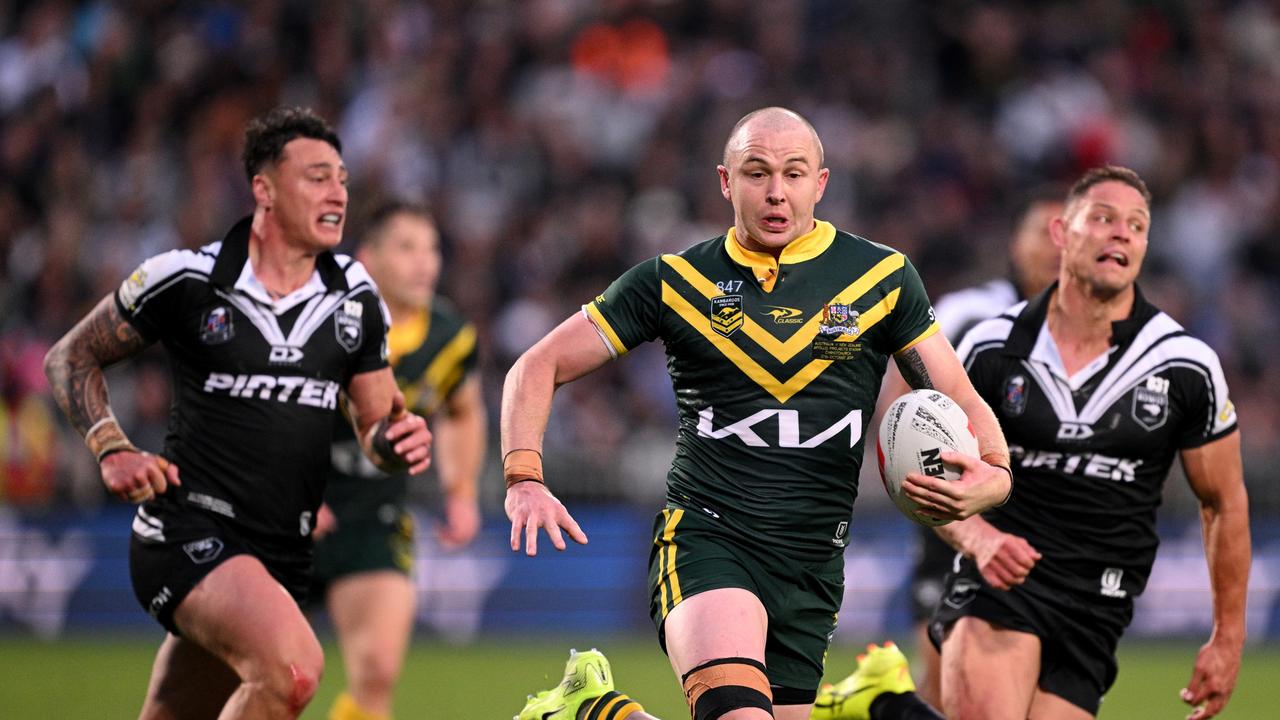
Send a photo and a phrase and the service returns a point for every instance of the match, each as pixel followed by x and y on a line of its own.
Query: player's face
pixel 306 194
pixel 1103 237
pixel 1035 256
pixel 405 262
pixel 774 181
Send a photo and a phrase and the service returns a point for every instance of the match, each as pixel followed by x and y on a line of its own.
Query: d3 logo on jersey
pixel 285 355
pixel 1075 431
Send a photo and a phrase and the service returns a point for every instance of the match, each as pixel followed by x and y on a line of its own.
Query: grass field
pixel 86 678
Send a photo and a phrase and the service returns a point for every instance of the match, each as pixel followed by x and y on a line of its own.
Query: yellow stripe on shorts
pixel 669 585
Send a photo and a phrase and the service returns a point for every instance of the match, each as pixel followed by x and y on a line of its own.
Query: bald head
pixel 768 120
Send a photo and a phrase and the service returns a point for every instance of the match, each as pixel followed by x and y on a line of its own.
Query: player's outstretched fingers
pixel 571 526
pixel 553 532
pixel 517 529
pixel 531 525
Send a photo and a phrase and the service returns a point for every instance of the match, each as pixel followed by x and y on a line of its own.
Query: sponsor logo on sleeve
pixel 132 287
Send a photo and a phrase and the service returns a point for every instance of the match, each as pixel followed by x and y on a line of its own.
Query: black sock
pixel 902 706
pixel 609 706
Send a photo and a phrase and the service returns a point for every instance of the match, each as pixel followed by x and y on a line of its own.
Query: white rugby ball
pixel 914 431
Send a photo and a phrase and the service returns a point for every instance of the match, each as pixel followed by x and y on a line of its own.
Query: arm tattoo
pixel 913 370
pixel 74 365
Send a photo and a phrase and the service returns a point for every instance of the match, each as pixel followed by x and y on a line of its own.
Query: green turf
pixel 86 678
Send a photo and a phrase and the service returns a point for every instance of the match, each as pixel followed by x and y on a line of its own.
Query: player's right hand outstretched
pixel 137 477
pixel 530 505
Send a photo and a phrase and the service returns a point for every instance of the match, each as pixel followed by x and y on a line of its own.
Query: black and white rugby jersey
pixel 959 311
pixel 1091 451
pixel 256 382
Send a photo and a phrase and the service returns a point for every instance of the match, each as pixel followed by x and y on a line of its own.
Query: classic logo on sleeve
pixel 348 326
pixel 726 314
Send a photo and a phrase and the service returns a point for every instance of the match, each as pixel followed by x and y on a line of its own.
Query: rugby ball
pixel 914 432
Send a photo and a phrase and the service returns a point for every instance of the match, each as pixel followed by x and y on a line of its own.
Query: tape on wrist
pixel 107 438
pixel 522 465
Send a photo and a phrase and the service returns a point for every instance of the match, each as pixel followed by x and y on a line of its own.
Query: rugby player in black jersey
pixel 1033 262
pixel 263 330
pixel 1097 391
pixel 777 335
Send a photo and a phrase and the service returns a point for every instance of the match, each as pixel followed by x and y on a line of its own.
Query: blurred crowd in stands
pixel 561 141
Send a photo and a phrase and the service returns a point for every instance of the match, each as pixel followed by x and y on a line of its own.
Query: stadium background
pixel 559 142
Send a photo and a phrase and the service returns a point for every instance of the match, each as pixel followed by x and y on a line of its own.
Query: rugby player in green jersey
pixel 365 535
pixel 777 335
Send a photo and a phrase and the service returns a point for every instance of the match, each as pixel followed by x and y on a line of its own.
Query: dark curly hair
pixel 266 136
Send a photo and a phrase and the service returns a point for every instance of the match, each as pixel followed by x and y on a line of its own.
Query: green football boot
pixel 880 670
pixel 586 676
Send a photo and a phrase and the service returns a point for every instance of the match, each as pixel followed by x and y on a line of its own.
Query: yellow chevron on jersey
pixel 781 390
pixel 772 415
pixel 785 350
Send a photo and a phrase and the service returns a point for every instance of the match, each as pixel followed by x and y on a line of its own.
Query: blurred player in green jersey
pixel 365 555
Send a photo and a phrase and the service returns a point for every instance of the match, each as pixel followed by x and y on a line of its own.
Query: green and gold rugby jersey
pixel 431 356
pixel 776 366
